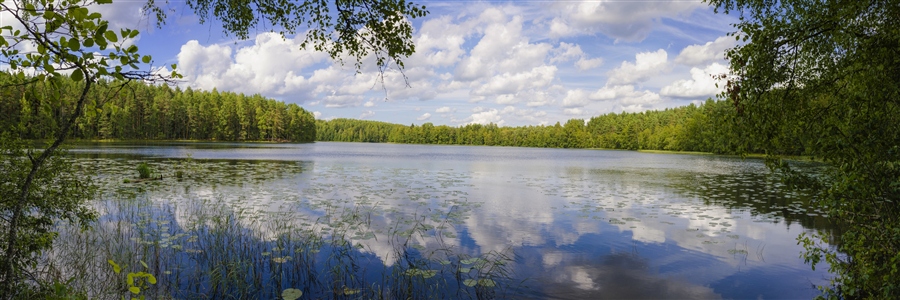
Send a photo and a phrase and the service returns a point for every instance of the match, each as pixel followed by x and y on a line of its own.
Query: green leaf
pixel 74 44
pixel 151 279
pixel 77 75
pixel 135 290
pixel 115 266
pixel 104 1
pixel 111 36
pixel 144 264
pixel 470 282
pixel 88 42
pixel 146 59
pixel 291 294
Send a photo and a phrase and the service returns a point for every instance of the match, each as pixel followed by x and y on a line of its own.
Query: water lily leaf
pixel 349 291
pixel 486 282
pixel 291 294
pixel 470 282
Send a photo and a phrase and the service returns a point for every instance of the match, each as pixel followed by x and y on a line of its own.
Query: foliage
pixel 709 127
pixel 51 40
pixel 119 110
pixel 143 171
pixel 136 281
pixel 56 193
pixel 824 78
pixel 349 28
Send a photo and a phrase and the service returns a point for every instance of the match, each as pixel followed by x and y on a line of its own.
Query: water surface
pixel 588 224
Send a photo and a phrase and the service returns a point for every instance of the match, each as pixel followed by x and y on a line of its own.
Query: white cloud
pixel 629 21
pixel 317 114
pixel 486 117
pixel 701 84
pixel 625 94
pixel 270 66
pixel 573 111
pixel 567 52
pixel 369 103
pixel 587 64
pixel 366 114
pixel 508 83
pixel 576 98
pixel 646 65
pixel 696 55
pixel 477 109
pixel 444 110
pixel 424 117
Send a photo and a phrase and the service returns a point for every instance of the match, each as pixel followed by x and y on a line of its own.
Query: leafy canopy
pixel 827 74
pixel 343 28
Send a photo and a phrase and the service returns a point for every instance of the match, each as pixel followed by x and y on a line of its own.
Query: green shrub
pixel 143 170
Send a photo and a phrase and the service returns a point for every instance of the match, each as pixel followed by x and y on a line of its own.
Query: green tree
pixel 70 40
pixel 823 78
pixel 66 37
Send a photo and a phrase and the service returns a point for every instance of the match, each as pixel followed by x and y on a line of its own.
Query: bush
pixel 143 171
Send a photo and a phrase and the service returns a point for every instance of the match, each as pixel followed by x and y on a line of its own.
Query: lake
pixel 345 220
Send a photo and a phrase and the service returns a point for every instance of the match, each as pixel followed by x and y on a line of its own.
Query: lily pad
pixel 291 294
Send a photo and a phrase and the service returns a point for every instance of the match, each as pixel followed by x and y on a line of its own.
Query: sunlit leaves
pixel 352 28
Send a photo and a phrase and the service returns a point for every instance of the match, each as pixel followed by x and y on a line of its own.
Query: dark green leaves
pixel 77 75
pixel 822 78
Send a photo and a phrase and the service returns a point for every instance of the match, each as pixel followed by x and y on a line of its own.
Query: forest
pixel 138 111
pixel 709 127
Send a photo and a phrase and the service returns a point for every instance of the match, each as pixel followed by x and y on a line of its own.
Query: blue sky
pixel 510 63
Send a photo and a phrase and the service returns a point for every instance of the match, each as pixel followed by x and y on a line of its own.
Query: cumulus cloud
pixel 646 65
pixel 271 65
pixel 701 84
pixel 424 117
pixel 444 110
pixel 486 117
pixel 696 55
pixel 317 114
pixel 366 114
pixel 508 83
pixel 573 111
pixel 629 21
pixel 626 95
pixel 567 52
pixel 369 103
pixel 587 64
pixel 576 98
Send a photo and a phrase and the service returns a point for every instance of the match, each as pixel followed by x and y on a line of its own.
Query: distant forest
pixel 709 127
pixel 136 111
pixel 133 110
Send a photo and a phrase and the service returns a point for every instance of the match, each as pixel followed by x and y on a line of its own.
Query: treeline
pixel 709 127
pixel 133 110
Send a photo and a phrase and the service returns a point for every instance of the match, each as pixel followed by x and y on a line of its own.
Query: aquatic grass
pixel 143 171
pixel 207 246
